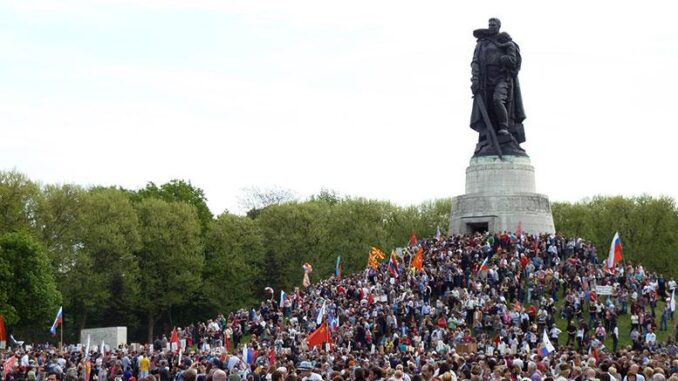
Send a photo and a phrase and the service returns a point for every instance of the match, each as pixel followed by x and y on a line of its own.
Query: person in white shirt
pixel 615 338
pixel 651 339
pixel 306 372
pixel 555 331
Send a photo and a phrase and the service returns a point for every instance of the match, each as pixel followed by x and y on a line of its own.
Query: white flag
pixel 673 300
pixel 87 348
pixel 319 319
pixel 547 347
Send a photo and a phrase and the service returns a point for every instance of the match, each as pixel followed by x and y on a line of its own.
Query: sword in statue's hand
pixel 491 134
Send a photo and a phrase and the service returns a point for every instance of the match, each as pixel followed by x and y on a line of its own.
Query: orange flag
pixel 418 260
pixel 375 255
pixel 320 336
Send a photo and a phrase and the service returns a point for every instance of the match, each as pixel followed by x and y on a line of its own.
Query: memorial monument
pixel 500 187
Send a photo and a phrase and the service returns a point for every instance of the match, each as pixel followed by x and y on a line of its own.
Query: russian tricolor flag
pixel 338 271
pixel 484 266
pixel 59 319
pixel 393 265
pixel 615 255
pixel 283 297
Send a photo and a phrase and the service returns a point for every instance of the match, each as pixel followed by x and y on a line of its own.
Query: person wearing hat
pixel 306 372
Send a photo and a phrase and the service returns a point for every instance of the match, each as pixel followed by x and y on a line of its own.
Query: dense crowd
pixel 480 308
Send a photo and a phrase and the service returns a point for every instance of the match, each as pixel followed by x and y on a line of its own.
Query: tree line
pixel 647 226
pixel 156 257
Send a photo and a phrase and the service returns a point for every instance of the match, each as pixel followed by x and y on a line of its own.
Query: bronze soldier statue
pixel 498 112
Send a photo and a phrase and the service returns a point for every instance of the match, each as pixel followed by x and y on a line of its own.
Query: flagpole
pixel 61 340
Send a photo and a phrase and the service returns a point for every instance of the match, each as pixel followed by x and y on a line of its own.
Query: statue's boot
pixel 503 129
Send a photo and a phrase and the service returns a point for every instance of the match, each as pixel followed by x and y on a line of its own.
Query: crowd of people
pixel 481 307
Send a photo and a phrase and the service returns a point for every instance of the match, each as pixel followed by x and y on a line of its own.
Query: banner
pixel 604 290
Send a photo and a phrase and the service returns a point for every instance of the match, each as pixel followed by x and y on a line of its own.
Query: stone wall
pixel 501 194
pixel 112 336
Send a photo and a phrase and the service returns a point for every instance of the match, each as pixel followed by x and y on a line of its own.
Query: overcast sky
pixel 369 98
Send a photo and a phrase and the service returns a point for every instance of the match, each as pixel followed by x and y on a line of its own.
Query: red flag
pixel 3 333
pixel 524 261
pixel 7 366
pixel 174 339
pixel 413 239
pixel 595 354
pixel 320 336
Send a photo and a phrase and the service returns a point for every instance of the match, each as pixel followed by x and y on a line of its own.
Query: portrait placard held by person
pixel 494 80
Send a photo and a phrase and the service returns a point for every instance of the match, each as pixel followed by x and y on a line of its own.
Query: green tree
pixel 648 227
pixel 109 240
pixel 91 237
pixel 58 222
pixel 181 191
pixel 17 202
pixel 573 220
pixel 354 225
pixel 292 234
pixel 29 295
pixel 234 260
pixel 171 257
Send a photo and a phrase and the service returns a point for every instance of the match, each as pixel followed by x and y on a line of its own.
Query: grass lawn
pixel 624 324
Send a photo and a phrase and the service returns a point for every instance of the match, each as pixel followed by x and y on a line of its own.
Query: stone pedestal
pixel 500 194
